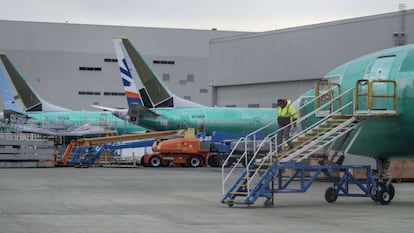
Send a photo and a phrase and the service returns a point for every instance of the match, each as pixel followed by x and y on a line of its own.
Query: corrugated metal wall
pixel 286 60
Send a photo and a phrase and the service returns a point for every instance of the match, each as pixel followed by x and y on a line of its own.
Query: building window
pixel 253 105
pixel 110 60
pixel 190 77
pixel 231 105
pixel 182 82
pixel 274 105
pixel 114 93
pixel 203 90
pixel 83 68
pixel 89 93
pixel 166 77
pixel 187 97
pixel 163 62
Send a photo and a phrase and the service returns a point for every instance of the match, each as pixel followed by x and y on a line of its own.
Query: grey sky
pixel 240 15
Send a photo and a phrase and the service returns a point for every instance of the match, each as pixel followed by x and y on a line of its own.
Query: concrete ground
pixel 106 200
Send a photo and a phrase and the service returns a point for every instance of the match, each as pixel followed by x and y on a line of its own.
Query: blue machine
pixel 89 155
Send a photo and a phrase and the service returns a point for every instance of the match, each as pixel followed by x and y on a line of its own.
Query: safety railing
pixel 270 139
pixel 375 97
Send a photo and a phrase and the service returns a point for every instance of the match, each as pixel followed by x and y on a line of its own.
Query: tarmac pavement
pixel 182 200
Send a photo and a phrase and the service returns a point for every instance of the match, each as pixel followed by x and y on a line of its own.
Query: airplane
pixel 159 109
pixel 28 112
pixel 375 93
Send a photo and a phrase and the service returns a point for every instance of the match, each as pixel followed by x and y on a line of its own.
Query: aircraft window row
pixel 162 62
pixel 110 60
pixel 203 90
pixel 83 68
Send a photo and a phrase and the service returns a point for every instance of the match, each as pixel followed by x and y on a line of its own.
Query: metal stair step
pixel 239 193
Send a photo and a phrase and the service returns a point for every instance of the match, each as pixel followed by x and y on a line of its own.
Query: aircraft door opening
pixel 380 70
pixel 327 100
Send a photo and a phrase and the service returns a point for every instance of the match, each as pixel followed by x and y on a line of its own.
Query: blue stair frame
pixel 279 178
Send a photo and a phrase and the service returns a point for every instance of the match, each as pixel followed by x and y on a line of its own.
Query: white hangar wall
pixel 53 56
pixel 210 67
pixel 256 69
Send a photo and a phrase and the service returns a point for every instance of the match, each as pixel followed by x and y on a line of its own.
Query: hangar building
pixel 74 65
pixel 254 70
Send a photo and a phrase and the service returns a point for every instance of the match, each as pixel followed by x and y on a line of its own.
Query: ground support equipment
pixel 281 177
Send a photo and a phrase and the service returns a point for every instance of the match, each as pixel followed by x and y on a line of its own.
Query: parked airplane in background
pixel 28 112
pixel 156 108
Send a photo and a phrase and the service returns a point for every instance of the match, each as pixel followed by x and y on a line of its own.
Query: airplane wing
pixel 83 130
pixel 120 113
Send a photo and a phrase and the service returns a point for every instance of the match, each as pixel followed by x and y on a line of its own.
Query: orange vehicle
pixel 178 151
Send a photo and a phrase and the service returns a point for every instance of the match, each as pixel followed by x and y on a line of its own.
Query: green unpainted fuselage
pixel 73 119
pixel 382 137
pixel 209 119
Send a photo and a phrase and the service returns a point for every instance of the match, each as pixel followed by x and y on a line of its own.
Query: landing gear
pixel 385 191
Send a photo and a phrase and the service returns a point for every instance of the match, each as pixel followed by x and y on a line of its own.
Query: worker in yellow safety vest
pixel 286 114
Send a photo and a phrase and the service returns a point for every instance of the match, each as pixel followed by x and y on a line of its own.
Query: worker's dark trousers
pixel 285 133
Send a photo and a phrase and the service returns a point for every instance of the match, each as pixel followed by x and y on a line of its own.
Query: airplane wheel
pixel 155 161
pixel 195 161
pixel 391 190
pixel 330 195
pixel 384 197
pixel 383 194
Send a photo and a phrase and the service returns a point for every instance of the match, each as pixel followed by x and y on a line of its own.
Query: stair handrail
pixel 253 134
pixel 323 119
pixel 311 127
pixel 269 157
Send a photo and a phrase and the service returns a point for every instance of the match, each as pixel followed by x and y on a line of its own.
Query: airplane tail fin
pixel 22 97
pixel 10 77
pixel 137 75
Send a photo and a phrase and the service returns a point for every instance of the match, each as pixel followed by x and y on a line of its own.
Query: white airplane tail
pixel 142 85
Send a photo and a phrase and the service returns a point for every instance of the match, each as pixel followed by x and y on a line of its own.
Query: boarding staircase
pixel 331 121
